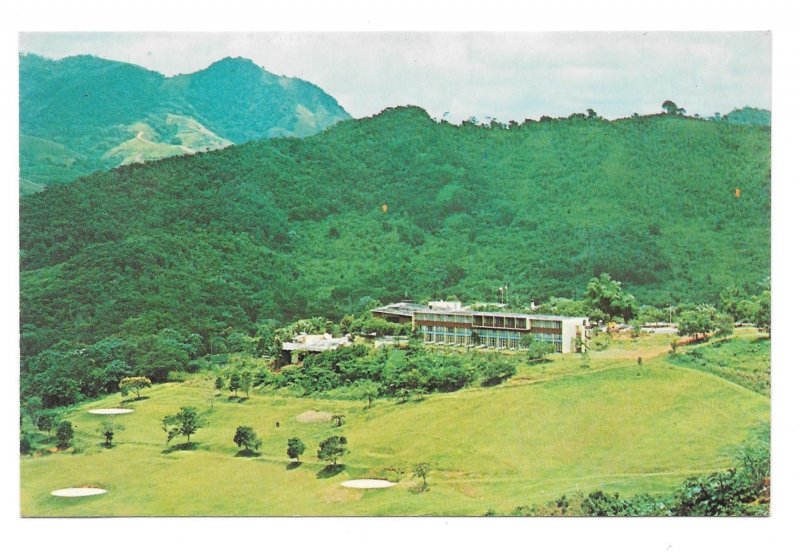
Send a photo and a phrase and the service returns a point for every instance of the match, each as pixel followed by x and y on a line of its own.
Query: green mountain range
pixel 203 248
pixel 82 114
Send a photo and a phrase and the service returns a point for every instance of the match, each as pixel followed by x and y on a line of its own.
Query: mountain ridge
pixel 86 104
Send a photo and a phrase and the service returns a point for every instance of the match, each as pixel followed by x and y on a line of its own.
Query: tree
pixel 247 382
pixel 422 470
pixel 368 390
pixel 725 325
pixel 763 318
pixel 734 302
pixel 107 430
pixel 64 434
pixel 25 444
pixel 607 296
pixel 247 439
pixel 700 320
pixel 135 384
pixel 672 108
pixel 32 407
pixel 45 421
pixel 295 448
pixel 332 448
pixel 636 329
pixel 338 420
pixel 538 351
pixel 219 384
pixel 186 422
pixel 494 371
pixel 235 383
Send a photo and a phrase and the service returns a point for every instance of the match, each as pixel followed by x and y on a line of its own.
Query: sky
pixel 464 74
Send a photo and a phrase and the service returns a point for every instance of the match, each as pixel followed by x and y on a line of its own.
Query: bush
pixel 64 434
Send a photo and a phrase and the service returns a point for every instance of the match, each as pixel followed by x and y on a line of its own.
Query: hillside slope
pixel 76 114
pixel 223 241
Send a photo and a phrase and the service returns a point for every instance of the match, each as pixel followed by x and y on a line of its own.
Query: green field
pixel 551 430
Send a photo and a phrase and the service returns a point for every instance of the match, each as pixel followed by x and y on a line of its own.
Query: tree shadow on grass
pixel 238 399
pixel 247 454
pixel 293 465
pixel 330 471
pixel 181 446
pixel 129 400
pixel 419 489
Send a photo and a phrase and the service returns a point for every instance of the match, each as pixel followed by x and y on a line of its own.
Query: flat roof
pixel 400 308
pixel 503 314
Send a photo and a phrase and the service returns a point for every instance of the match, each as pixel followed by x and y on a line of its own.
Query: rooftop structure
pixel 399 312
pixel 292 352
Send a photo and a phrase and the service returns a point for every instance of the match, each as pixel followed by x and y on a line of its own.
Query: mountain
pixel 193 253
pixel 82 114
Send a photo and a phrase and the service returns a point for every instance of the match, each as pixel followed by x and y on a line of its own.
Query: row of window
pixel 458 318
pixel 491 339
pixel 500 321
pixel 491 321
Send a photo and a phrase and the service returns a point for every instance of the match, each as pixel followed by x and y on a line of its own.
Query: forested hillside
pixel 151 265
pixel 83 113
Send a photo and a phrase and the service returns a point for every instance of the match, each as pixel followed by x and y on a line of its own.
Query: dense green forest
pixel 83 113
pixel 149 266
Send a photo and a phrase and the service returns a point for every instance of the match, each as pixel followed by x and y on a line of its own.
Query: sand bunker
pixel 368 484
pixel 79 491
pixel 111 411
pixel 314 416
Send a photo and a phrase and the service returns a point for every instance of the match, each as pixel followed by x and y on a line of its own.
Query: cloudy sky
pixel 484 74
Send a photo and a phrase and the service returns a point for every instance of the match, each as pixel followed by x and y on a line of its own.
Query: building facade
pixel 457 326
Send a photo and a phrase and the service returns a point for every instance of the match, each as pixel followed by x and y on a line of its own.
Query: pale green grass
pixel 629 429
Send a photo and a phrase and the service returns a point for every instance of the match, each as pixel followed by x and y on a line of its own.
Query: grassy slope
pixel 547 432
pixel 746 362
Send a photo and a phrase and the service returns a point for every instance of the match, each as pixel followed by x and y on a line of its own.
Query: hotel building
pixel 447 323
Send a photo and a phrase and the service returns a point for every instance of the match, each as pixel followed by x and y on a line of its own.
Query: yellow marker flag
pixel 738 193
pixel 385 208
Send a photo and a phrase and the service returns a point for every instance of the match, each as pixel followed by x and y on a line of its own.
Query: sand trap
pixel 79 491
pixel 368 484
pixel 314 416
pixel 111 411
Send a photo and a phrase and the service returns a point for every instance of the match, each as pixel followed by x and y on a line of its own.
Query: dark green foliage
pixel 332 448
pixel 219 383
pixel 247 439
pixel 64 434
pixel 186 422
pixel 235 383
pixel 167 262
pixel 369 373
pixel 494 370
pixel 763 312
pixel 25 444
pixel 45 421
pixel 295 448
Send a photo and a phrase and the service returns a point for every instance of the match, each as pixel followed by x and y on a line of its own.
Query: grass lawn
pixel 551 430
